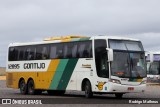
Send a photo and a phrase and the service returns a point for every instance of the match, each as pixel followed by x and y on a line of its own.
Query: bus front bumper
pixel 119 88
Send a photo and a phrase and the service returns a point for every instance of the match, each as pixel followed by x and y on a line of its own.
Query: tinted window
pixel 13 54
pixel 84 49
pixel 70 50
pixel 20 53
pixel 56 51
pixel 30 53
pixel 42 52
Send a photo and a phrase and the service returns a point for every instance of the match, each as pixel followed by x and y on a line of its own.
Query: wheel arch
pixel 84 82
pixel 30 78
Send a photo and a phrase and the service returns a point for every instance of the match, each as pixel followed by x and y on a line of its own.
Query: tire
pixel 88 90
pixel 23 87
pixel 119 95
pixel 31 87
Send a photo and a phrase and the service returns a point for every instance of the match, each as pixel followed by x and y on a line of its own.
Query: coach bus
pixel 153 67
pixel 95 65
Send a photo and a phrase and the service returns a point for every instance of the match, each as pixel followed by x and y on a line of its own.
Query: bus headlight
pixel 115 81
pixel 144 82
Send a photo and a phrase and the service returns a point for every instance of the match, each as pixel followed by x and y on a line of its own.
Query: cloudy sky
pixel 33 20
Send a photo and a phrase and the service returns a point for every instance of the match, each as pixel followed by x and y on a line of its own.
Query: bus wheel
pixel 88 90
pixel 31 90
pixel 23 87
pixel 119 95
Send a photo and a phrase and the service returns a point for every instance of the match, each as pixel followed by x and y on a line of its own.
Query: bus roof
pixel 69 39
pixel 115 37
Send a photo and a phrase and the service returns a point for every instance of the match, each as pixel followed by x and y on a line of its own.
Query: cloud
pixel 32 20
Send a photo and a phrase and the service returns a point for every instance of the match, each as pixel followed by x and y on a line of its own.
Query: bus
pixel 95 65
pixel 153 67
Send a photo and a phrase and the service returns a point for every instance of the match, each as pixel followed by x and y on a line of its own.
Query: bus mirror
pixel 151 57
pixel 110 54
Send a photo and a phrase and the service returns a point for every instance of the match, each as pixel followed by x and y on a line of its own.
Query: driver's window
pixel 104 69
pixel 101 58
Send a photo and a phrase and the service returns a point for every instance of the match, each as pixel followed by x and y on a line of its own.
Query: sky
pixel 34 20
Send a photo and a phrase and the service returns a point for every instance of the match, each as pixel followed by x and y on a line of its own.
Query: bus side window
pixel 13 54
pixel 45 52
pixel 81 51
pixel 67 50
pixel 30 53
pixel 53 52
pixel 70 50
pixel 56 51
pixel 59 51
pixel 85 49
pixel 42 52
pixel 20 53
pixel 74 50
pixel 88 50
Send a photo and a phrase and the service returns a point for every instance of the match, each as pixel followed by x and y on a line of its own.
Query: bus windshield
pixel 129 59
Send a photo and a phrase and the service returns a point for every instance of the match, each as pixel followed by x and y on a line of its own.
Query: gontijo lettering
pixel 34 66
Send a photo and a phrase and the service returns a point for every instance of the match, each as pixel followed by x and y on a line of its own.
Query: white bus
pixel 96 65
pixel 153 67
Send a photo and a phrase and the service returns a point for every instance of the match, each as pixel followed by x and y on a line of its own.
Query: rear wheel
pixel 119 95
pixel 31 87
pixel 23 87
pixel 88 90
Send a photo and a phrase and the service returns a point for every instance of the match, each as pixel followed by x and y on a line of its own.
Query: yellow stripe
pixel 52 69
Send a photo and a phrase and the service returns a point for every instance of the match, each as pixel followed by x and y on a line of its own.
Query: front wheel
pixel 119 95
pixel 88 90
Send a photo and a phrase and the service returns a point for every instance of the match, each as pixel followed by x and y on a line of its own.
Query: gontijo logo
pixel 100 85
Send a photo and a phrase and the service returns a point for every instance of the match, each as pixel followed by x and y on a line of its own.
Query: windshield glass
pixel 127 64
pixel 126 45
pixel 120 65
pixel 153 68
pixel 137 65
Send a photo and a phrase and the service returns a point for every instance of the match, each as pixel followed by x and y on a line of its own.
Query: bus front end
pixel 153 68
pixel 128 67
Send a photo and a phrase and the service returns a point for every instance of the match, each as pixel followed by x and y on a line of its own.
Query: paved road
pixel 151 92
